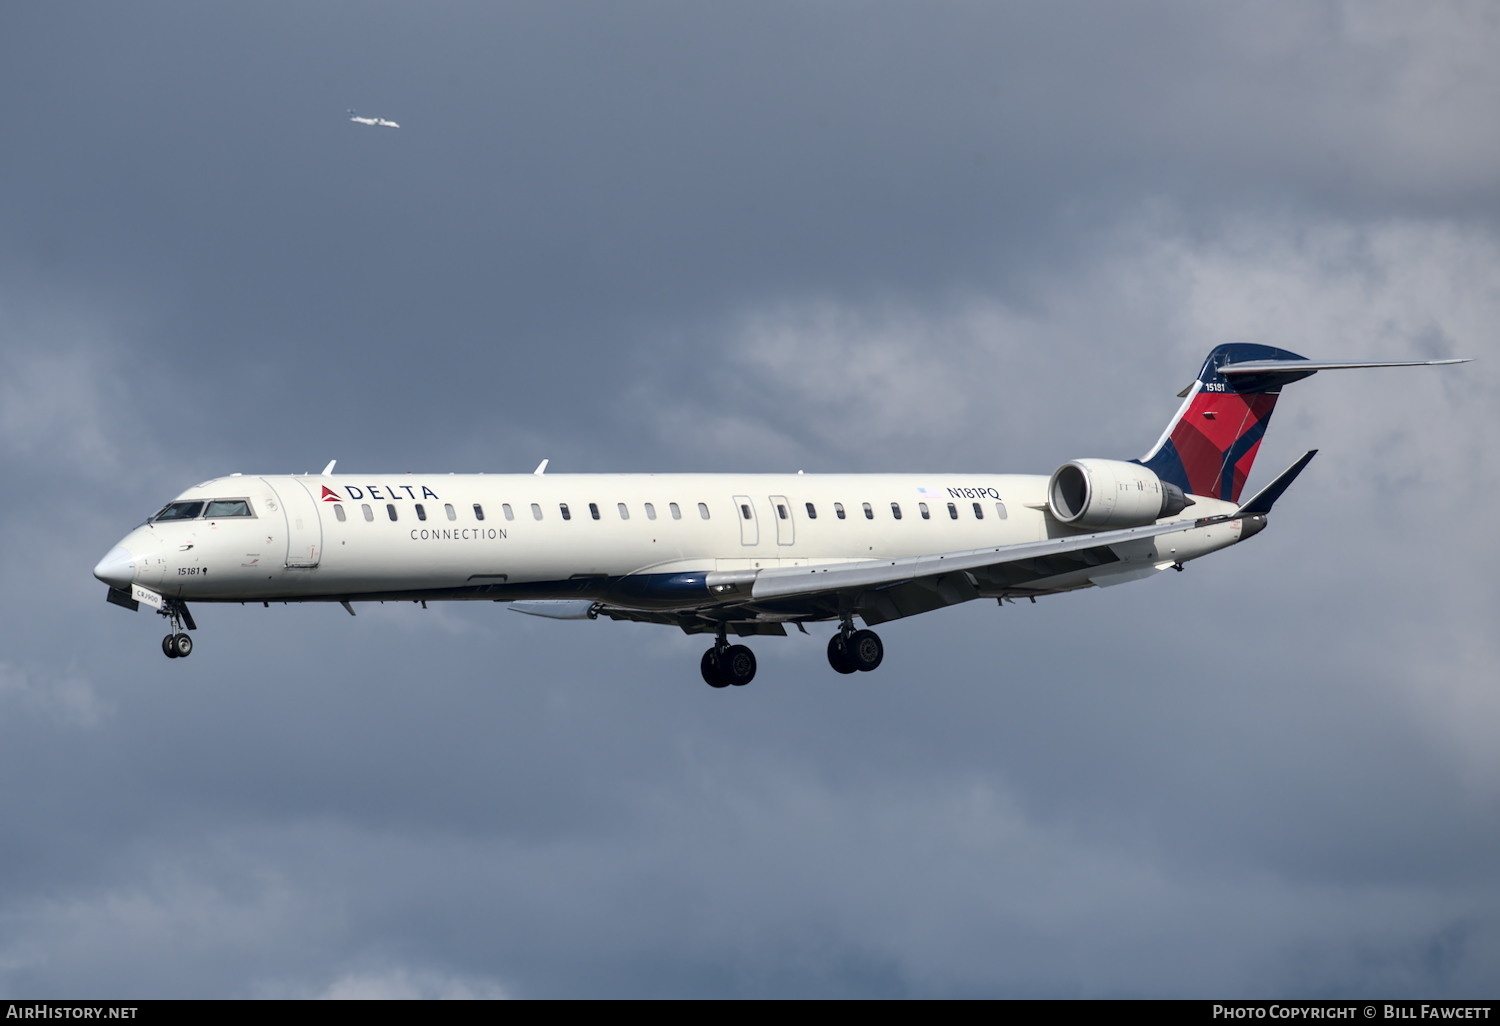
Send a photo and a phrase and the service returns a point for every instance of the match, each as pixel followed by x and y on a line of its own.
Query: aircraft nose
pixel 117 568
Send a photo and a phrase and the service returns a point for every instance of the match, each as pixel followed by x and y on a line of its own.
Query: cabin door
pixel 304 528
pixel 781 509
pixel 744 511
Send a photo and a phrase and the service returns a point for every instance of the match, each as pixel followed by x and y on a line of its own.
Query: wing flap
pixel 920 595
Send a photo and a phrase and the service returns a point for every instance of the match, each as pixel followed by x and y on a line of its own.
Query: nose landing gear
pixel 178 644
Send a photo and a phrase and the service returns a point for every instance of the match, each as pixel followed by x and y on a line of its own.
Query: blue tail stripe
pixel 1167 465
pixel 1237 451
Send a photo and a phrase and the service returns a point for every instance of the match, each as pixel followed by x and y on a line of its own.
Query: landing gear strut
pixel 727 664
pixel 850 650
pixel 178 644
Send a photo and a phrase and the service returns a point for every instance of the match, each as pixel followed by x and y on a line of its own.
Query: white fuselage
pixel 475 536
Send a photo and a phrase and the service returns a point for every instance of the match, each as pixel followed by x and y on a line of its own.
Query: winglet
pixel 1261 502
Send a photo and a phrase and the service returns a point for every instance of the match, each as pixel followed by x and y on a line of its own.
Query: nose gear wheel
pixel 178 644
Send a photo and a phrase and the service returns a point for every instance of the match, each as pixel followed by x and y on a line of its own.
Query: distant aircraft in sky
pixel 724 554
pixel 376 122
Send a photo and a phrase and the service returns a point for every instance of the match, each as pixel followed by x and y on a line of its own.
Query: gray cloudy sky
pixel 770 236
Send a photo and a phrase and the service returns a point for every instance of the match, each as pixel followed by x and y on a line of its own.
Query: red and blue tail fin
pixel 1211 443
pixel 1209 446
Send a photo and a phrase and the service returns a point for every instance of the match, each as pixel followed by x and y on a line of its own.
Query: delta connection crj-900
pixel 726 554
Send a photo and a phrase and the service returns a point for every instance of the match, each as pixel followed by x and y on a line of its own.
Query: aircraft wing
pixel 762 601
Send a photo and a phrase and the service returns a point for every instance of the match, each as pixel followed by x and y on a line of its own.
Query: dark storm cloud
pixel 813 236
pixel 583 178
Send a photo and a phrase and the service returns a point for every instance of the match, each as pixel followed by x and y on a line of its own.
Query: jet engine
pixel 1111 493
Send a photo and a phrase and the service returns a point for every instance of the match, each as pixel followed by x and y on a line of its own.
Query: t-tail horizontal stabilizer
pixel 1269 375
pixel 1261 502
pixel 1261 366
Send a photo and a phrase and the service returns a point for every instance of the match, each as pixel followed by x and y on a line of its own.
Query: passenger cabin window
pixel 390 509
pixel 566 513
pixel 676 511
pixel 650 511
pixel 369 513
pixel 896 510
pixel 952 511
pixel 478 511
pixel 217 509
pixel 421 511
pixel 594 510
pixel 624 510
pixel 338 511
pixel 536 511
pixel 926 513
pixel 178 511
pixel 510 514
pixel 1000 510
pixel 978 511
pixel 703 510
pixel 838 510
pixel 812 512
pixel 448 509
pixel 869 511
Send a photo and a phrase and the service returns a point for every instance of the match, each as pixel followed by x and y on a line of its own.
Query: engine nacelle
pixel 1111 493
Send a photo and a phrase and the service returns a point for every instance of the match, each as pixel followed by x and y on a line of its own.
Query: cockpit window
pixel 227 508
pixel 178 511
pixel 216 509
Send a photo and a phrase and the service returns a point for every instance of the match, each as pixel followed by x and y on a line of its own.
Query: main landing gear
pixel 849 651
pixel 727 664
pixel 178 644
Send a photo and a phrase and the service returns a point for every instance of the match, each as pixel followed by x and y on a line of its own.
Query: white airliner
pixel 376 122
pixel 724 554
